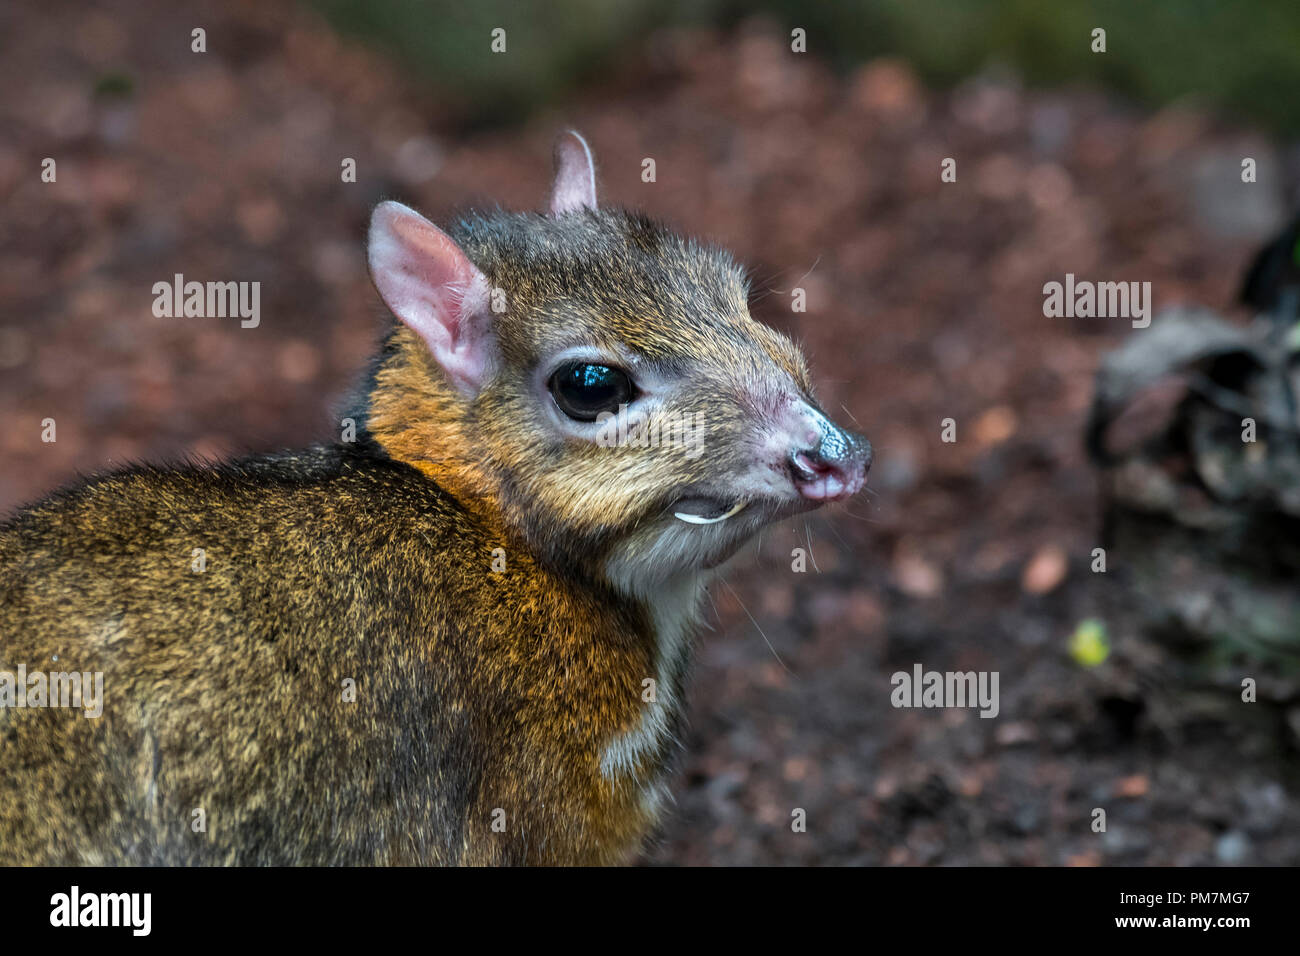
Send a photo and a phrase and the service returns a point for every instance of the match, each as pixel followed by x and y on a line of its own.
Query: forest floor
pixel 924 302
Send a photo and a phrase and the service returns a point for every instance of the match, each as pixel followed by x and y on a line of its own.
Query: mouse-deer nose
pixel 834 464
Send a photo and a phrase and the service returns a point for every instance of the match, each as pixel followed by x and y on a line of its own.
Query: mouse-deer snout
pixel 830 463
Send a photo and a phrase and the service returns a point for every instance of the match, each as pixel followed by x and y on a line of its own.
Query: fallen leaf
pixel 1045 570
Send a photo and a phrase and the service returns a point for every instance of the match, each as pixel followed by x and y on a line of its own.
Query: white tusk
pixel 697 519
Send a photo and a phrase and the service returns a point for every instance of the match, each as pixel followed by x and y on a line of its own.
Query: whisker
pixel 756 627
pixel 830 526
pixel 808 534
pixel 717 616
pixel 806 274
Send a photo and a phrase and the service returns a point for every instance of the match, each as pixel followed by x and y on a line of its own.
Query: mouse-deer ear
pixel 430 284
pixel 574 188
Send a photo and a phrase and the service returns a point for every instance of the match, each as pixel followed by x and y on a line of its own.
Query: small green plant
pixel 1089 646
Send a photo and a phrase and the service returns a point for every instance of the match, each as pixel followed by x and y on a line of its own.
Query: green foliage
pixel 1089 645
pixel 115 86
pixel 550 47
pixel 1241 56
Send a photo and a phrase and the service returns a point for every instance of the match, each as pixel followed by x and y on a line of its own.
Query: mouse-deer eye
pixel 583 390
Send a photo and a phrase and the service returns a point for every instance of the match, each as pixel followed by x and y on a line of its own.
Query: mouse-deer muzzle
pixel 826 462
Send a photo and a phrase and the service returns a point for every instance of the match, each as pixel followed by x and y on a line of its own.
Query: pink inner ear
pixel 574 188
pixel 430 284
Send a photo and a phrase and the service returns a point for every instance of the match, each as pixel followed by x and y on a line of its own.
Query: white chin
pixel 663 551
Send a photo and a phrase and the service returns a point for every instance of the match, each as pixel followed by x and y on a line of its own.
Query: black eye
pixel 584 389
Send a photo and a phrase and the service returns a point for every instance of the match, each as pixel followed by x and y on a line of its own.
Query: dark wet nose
pixel 835 464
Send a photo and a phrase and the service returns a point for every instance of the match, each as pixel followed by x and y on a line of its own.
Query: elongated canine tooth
pixel 697 519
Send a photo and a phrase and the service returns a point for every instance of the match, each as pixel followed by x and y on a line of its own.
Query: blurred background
pixel 820 170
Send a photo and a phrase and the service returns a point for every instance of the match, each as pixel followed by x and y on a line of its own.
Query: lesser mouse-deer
pixel 461 637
